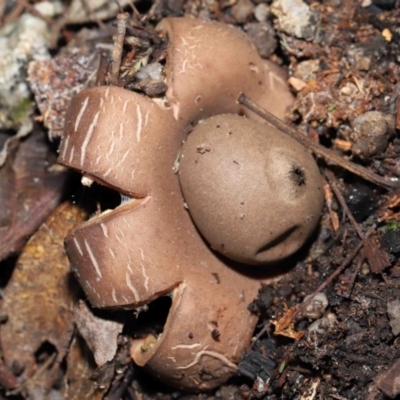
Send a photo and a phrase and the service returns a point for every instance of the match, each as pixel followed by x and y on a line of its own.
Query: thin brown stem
pixel 317 148
pixel 35 12
pixel 116 56
pixel 332 182
pixel 93 15
pixel 353 277
pixel 338 271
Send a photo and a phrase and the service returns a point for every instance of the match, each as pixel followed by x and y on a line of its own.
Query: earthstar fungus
pixel 253 192
pixel 149 247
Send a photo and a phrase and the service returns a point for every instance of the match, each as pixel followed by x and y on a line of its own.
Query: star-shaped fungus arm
pixel 149 247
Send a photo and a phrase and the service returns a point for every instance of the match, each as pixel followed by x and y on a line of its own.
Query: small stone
pixel 363 55
pixel 151 88
pixel 296 84
pixel 317 306
pixel 349 90
pixel 389 381
pixel 261 12
pixel 323 324
pixel 242 11
pixel 371 133
pixel 295 18
pixel 387 34
pixel 262 35
pixel 307 70
pixel 358 58
pixel 393 310
pixel 153 71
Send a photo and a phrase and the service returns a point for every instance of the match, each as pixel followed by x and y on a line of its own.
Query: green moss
pixel 21 111
pixel 331 108
pixel 392 225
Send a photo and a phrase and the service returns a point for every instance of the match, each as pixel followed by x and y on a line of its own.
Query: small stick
pixel 377 258
pixel 337 397
pixel 39 372
pixel 332 182
pixel 2 9
pixel 119 387
pixel 102 70
pixel 339 270
pixel 13 15
pixel 317 148
pixel 328 199
pixel 259 334
pixel 353 277
pixel 93 15
pixel 35 12
pixel 116 56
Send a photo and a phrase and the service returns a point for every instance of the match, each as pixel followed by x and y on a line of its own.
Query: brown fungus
pixel 149 247
pixel 254 193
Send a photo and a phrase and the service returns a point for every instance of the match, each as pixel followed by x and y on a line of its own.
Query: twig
pixel 339 270
pixel 47 364
pixel 94 16
pixel 35 12
pixel 328 200
pixel 119 387
pixel 102 70
pixel 135 11
pixel 146 34
pixel 259 334
pixel 2 9
pixel 332 182
pixel 13 15
pixel 337 397
pixel 116 56
pixel 317 148
pixel 353 277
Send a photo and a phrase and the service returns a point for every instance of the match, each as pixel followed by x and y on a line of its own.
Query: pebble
pixel 323 324
pixel 317 307
pixel 295 18
pixel 242 11
pixel 393 310
pixel 261 12
pixel 262 35
pixel 307 70
pixel 371 133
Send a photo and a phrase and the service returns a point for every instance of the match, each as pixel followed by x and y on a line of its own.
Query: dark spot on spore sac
pixel 297 175
pixel 215 334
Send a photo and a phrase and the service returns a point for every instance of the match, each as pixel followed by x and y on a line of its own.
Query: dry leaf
pixel 54 82
pixel 285 326
pixel 30 188
pixel 389 381
pixel 38 299
pixel 100 334
pixel 80 369
pixel 378 259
